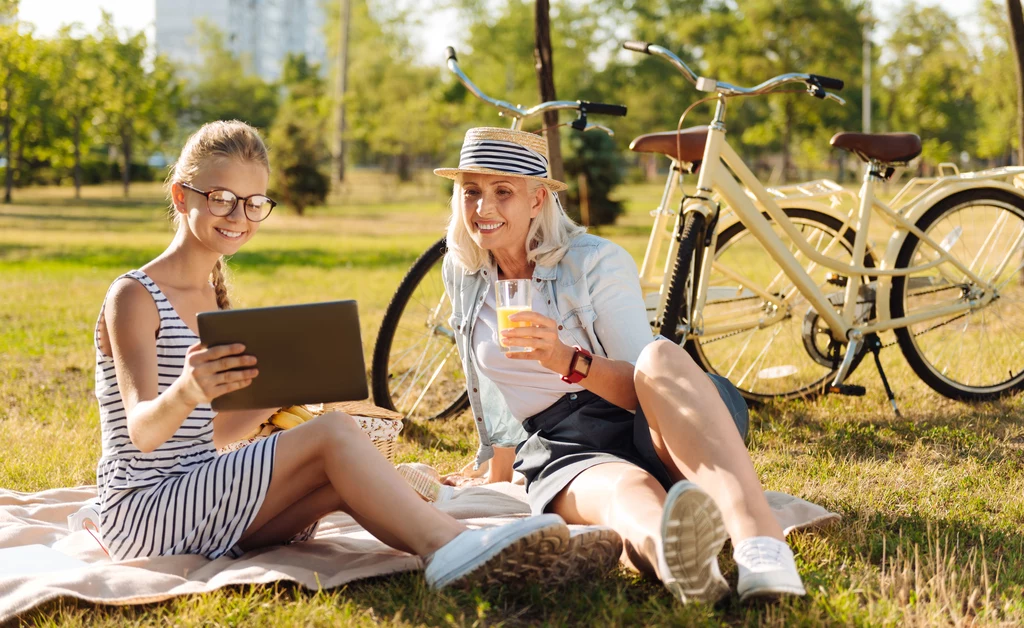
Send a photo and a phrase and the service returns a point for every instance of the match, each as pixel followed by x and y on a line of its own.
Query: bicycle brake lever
pixel 838 99
pixel 598 127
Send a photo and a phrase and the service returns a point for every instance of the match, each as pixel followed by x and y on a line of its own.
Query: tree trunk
pixel 126 155
pixel 787 136
pixel 1017 39
pixel 77 139
pixel 9 169
pixel 546 80
pixel 340 89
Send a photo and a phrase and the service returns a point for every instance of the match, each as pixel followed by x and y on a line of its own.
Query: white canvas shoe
pixel 692 536
pixel 517 552
pixel 767 569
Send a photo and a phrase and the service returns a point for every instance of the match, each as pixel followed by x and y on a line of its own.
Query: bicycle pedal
pixel 850 390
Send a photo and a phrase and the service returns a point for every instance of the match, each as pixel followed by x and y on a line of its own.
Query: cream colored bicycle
pixel 782 291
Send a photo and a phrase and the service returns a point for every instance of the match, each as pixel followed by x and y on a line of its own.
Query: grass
pixel 932 504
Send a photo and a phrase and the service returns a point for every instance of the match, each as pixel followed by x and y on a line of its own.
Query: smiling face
pixel 497 211
pixel 223 235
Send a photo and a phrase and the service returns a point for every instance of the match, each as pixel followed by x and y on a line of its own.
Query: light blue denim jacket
pixel 596 290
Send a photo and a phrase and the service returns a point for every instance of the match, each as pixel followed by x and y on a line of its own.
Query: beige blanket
pixel 342 551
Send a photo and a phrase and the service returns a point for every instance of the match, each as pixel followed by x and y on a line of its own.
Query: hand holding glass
pixel 512 296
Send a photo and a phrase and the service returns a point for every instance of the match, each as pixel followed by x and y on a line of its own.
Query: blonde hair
pixel 547 241
pixel 224 139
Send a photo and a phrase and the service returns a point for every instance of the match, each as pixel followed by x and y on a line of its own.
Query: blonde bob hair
pixel 547 241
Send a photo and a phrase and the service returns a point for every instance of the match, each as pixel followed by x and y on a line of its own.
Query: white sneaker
pixel 513 553
pixel 767 569
pixel 593 550
pixel 692 535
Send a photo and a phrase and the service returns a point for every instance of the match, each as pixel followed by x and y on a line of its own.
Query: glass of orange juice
pixel 512 296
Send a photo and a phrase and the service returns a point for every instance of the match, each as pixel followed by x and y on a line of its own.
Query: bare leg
pixel 623 497
pixel 696 438
pixel 332 451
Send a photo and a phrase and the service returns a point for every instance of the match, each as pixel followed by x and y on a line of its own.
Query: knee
pixel 335 429
pixel 664 358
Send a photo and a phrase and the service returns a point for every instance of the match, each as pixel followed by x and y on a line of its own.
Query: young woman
pixel 613 421
pixel 163 487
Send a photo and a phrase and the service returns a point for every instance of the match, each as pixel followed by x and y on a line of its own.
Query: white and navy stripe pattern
pixel 504 156
pixel 182 498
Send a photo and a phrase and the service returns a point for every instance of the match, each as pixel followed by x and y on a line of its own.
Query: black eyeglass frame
pixel 244 199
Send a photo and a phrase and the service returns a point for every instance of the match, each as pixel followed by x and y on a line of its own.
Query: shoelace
pixel 757 553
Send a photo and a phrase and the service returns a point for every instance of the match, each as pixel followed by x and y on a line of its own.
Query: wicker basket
pixel 380 424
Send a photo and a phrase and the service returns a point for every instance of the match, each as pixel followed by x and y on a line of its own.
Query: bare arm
pixel 132 320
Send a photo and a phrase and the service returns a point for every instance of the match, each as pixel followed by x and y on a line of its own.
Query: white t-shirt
pixel 527 387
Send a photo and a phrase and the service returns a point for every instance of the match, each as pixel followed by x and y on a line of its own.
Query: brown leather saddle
pixel 686 146
pixel 887 148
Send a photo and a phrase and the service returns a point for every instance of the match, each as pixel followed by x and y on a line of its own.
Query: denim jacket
pixel 596 291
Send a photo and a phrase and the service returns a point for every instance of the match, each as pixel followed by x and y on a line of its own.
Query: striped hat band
pixel 504 156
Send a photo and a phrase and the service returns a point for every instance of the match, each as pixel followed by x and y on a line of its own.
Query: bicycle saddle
pixel 888 148
pixel 688 149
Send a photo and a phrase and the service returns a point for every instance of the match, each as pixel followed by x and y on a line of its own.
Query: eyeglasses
pixel 222 202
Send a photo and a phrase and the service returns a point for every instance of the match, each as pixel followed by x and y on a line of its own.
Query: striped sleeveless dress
pixel 183 497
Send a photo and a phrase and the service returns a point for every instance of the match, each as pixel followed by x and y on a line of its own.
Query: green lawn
pixel 933 504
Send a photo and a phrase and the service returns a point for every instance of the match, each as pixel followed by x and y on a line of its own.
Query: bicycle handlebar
pixel 815 83
pixel 508 109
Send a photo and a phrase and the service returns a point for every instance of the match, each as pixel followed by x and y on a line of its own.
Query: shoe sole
pixel 590 553
pixel 524 560
pixel 770 594
pixel 693 534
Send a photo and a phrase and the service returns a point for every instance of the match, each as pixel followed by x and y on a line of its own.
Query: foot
pixel 767 569
pixel 513 553
pixel 692 535
pixel 592 551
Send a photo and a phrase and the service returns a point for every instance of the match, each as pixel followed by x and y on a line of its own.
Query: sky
pixel 438 30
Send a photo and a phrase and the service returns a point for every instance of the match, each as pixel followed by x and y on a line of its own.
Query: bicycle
pixel 951 258
pixel 415 367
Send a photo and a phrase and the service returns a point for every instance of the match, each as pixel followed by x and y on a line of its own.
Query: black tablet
pixel 308 353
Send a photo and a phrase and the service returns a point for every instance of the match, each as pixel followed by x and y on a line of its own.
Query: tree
pixel 297 140
pixel 75 71
pixel 926 87
pixel 544 65
pixel 224 87
pixel 1017 40
pixel 594 156
pixel 139 104
pixel 22 92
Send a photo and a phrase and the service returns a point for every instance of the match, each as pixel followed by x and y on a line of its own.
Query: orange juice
pixel 503 323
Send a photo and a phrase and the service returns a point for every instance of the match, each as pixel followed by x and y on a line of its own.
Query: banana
pixel 301 412
pixel 286 420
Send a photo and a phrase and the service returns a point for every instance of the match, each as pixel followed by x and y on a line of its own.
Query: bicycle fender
pixel 913 214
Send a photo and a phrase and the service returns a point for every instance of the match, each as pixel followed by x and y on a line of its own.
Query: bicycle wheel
pixel 978 354
pixel 679 290
pixel 778 346
pixel 416 368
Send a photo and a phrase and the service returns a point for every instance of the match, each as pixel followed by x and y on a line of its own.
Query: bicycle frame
pixel 724 174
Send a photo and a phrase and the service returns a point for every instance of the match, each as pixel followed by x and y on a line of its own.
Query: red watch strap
pixel 575 376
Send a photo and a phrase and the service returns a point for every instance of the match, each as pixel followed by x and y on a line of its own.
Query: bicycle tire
pixel 920 345
pixel 692 234
pixel 381 366
pixel 696 346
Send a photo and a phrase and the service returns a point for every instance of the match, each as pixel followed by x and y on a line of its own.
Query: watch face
pixel 583 365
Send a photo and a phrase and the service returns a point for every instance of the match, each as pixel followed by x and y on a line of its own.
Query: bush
pixel 298 158
pixel 594 155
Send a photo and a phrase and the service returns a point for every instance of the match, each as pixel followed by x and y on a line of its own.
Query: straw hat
pixel 506 152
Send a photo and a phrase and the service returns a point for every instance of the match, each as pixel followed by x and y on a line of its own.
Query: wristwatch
pixel 579 367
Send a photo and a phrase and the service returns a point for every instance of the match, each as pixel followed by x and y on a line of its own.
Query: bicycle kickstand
pixel 874 345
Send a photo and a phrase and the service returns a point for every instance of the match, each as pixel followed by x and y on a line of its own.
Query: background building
pixel 265 31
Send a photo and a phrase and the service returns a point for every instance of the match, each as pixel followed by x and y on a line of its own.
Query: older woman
pixel 607 422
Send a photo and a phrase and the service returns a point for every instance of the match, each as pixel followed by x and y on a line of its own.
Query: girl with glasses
pixel 163 487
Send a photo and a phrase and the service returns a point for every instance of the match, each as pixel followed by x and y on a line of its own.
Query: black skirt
pixel 582 430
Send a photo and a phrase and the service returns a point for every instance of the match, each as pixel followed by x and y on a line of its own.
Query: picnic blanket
pixel 341 552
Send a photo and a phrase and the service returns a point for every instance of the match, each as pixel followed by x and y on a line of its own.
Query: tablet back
pixel 309 353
